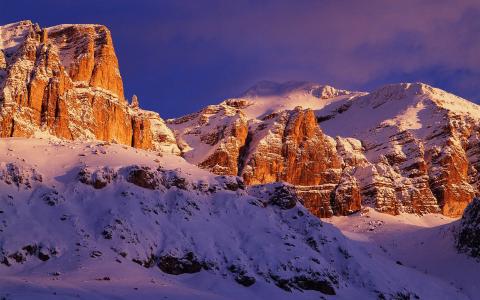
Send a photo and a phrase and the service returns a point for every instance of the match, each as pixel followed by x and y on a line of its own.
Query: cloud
pixel 196 52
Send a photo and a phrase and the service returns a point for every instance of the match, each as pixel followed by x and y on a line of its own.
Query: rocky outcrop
pixel 65 80
pixel 213 137
pixel 290 146
pixel 405 148
pixel 287 146
pixel 418 144
pixel 468 239
pixel 21 177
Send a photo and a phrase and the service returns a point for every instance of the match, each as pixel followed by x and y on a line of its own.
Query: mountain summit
pixel 65 81
pixel 100 199
pixel 405 147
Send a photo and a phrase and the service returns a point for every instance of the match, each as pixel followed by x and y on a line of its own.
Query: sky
pixel 178 56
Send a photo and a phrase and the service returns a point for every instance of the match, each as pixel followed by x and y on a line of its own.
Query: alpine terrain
pixel 291 190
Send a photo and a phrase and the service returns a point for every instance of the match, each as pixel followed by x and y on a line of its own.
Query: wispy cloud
pixel 194 52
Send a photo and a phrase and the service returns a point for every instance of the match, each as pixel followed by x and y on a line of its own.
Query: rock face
pixel 286 146
pixel 290 146
pixel 213 137
pixel 403 148
pixel 65 81
pixel 468 239
pixel 419 142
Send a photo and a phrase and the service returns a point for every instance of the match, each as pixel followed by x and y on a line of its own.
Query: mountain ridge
pixel 404 147
pixel 294 190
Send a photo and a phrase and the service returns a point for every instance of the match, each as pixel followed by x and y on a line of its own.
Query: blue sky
pixel 179 56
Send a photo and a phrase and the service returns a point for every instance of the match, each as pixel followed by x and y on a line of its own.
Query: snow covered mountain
pixel 403 148
pixel 100 199
pixel 112 221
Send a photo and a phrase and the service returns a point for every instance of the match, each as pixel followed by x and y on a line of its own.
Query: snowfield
pixel 92 220
pixel 424 243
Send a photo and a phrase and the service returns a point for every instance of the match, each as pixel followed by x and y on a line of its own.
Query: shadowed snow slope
pixel 422 243
pixel 101 221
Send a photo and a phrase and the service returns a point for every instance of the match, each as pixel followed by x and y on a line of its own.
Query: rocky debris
pixel 245 280
pixel 65 80
pixel 98 177
pixel 280 194
pixel 52 197
pixel 153 179
pixel 171 179
pixel 179 265
pixel 232 183
pixel 241 276
pixel 20 176
pixel 96 253
pixel 310 281
pixel 144 177
pixel 468 238
pixel 284 196
pixel 32 250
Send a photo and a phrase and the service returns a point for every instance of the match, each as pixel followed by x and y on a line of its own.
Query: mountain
pixel 65 81
pixel 468 237
pixel 108 221
pixel 402 148
pixel 100 199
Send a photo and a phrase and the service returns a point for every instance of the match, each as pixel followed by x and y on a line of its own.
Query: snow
pixel 393 108
pixel 13 35
pixel 270 97
pixel 422 243
pixel 71 47
pixel 83 227
pixel 195 132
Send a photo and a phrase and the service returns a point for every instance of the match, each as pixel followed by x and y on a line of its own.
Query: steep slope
pixel 468 239
pixel 65 81
pixel 108 217
pixel 421 142
pixel 213 137
pixel 270 139
pixel 425 243
pixel 268 97
pixel 403 148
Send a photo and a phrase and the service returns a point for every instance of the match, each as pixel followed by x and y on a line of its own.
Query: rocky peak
pixel 290 146
pixel 405 147
pixel 213 137
pixel 87 54
pixel 271 88
pixel 65 81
